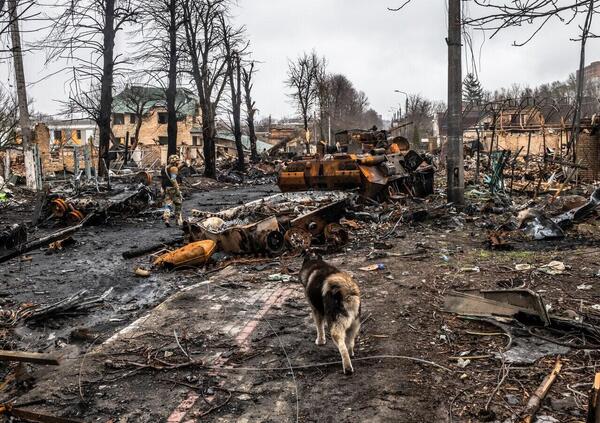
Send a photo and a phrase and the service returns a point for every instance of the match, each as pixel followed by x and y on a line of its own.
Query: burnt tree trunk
pixel 172 88
pixel 106 87
pixel 236 100
pixel 252 134
pixel 250 112
pixel 138 127
pixel 307 139
pixel 251 129
pixel 208 135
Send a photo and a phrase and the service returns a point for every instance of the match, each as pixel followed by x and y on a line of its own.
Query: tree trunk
pixel 250 112
pixel 306 138
pixel 208 135
pixel 252 133
pixel 17 54
pixel 172 89
pixel 106 88
pixel 236 97
pixel 138 127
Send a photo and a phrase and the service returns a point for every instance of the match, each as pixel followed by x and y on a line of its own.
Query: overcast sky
pixel 378 50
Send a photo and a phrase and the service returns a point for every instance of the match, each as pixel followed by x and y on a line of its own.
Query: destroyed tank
pixel 376 166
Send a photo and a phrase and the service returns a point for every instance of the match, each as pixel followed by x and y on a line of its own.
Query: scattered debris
pixel 553 268
pixel 372 267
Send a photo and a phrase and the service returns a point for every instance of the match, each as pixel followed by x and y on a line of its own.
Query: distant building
pixel 525 127
pixel 74 131
pixel 153 130
pixel 591 72
pixel 225 142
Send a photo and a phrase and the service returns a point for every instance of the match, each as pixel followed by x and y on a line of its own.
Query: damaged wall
pixel 588 151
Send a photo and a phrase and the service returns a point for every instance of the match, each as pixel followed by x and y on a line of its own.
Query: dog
pixel 334 297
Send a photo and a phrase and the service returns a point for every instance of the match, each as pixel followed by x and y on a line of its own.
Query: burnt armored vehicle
pixel 370 162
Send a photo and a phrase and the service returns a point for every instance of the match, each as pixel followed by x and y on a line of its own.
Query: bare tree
pixel 88 28
pixel 302 79
pixel 11 11
pixel 207 66
pixel 248 72
pixel 137 100
pixel 234 49
pixel 420 112
pixel 8 117
pixel 344 104
pixel 160 52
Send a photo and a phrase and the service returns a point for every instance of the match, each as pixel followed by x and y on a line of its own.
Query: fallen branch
pixel 594 402
pixel 36 243
pixel 150 249
pixel 31 416
pixel 164 365
pixel 75 303
pixel 535 401
pixel 28 357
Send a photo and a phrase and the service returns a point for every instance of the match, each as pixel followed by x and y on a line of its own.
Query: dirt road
pixel 236 346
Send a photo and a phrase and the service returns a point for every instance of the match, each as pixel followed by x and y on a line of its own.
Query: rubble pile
pixel 260 173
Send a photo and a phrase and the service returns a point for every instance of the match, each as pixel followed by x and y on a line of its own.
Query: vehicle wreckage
pixel 377 166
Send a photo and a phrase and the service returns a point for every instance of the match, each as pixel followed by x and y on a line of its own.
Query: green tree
pixel 472 91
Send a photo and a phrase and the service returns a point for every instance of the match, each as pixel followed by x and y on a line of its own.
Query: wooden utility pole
pixel 17 55
pixel 454 156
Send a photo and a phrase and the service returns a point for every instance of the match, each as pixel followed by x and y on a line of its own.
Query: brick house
pixel 149 103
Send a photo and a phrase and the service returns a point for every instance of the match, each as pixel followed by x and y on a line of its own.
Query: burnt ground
pixel 217 346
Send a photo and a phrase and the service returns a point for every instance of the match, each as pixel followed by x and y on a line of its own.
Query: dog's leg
pixel 320 324
pixel 351 334
pixel 338 334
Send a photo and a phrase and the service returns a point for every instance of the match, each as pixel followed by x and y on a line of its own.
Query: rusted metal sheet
pixel 498 303
pixel 315 221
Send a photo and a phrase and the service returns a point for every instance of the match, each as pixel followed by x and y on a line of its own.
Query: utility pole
pixel 454 156
pixel 17 55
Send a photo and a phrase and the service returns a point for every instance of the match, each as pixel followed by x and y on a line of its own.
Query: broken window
pixel 118 118
pixel 58 134
pixel 132 118
pixel 162 118
pixel 78 134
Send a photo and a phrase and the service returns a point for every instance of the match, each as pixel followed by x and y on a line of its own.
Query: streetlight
pixel 406 104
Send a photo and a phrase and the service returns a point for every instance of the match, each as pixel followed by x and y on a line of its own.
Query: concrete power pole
pixel 454 156
pixel 31 174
